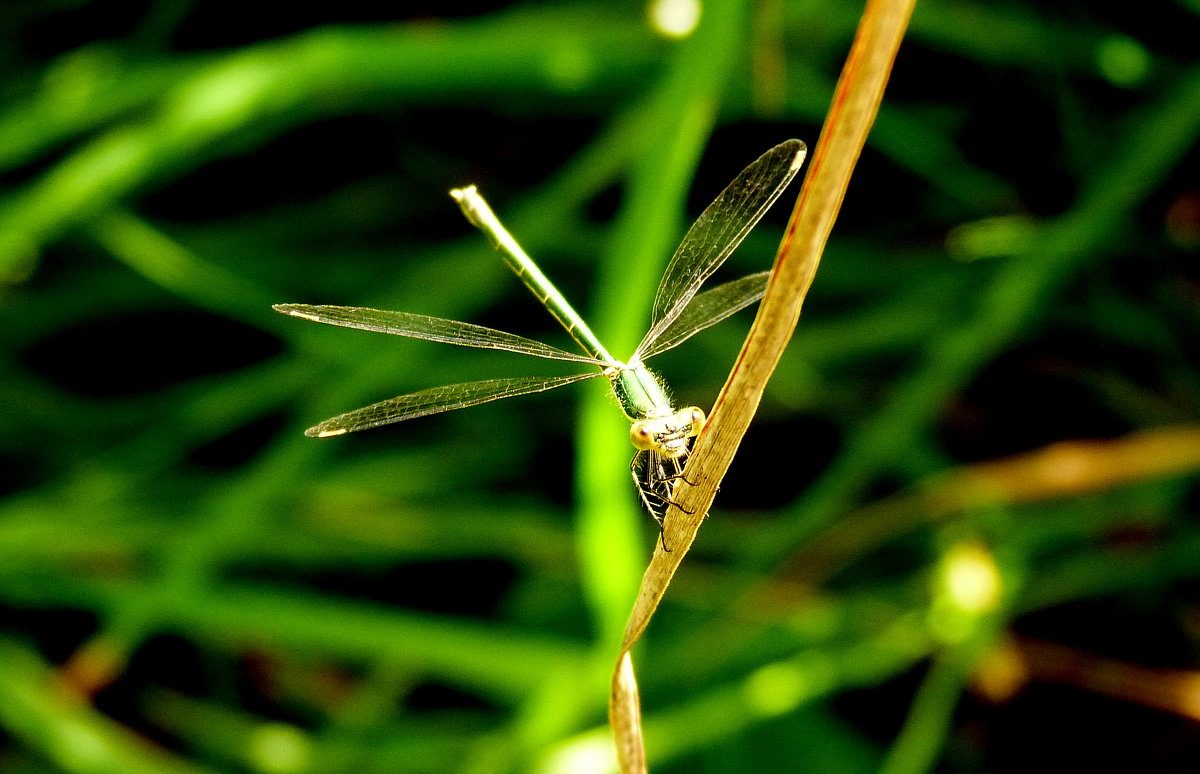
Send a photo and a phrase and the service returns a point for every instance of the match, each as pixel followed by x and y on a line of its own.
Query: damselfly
pixel 660 433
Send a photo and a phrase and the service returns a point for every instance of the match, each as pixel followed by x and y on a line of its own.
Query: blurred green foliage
pixel 1016 266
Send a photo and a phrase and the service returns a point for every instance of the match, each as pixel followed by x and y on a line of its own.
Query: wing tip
pixel 799 154
pixel 322 432
pixel 297 310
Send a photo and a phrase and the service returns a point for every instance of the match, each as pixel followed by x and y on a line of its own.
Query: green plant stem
pixel 675 122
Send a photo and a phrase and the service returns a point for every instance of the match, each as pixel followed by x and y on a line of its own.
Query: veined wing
pixel 720 229
pixel 419 326
pixel 438 399
pixel 708 309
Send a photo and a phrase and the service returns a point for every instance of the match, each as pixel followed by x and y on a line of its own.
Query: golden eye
pixel 698 419
pixel 640 436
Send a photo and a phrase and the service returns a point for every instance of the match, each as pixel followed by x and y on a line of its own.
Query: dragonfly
pixel 660 433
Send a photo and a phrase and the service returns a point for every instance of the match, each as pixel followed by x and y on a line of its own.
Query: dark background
pixel 907 570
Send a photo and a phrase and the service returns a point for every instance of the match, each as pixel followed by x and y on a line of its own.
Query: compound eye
pixel 641 437
pixel 698 420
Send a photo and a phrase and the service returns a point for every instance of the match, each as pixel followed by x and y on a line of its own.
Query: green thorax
pixel 640 392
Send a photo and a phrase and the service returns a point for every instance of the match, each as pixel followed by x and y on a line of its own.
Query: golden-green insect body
pixel 656 424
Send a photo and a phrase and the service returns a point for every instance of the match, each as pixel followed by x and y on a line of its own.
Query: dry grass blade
pixel 625 716
pixel 855 102
pixel 1063 469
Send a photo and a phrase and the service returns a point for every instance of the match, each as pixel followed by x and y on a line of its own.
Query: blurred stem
pixel 243 98
pixel 930 716
pixel 167 263
pixel 676 120
pixel 67 731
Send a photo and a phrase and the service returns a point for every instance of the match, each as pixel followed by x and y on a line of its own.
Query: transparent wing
pixel 419 326
pixel 436 400
pixel 708 309
pixel 720 229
